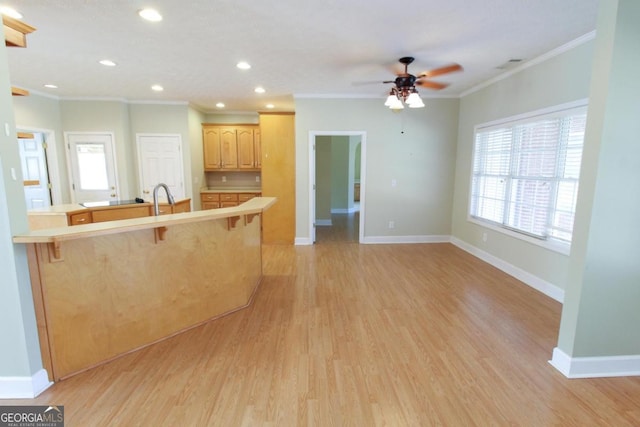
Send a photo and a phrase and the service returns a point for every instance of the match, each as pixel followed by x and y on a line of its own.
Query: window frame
pixel 550 242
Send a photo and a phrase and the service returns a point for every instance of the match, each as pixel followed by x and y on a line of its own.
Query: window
pixel 526 172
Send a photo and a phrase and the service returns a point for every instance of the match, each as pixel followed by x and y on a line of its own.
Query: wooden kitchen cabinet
pixel 121 212
pixel 178 207
pixel 248 148
pixel 243 197
pixel 79 218
pixel 211 146
pixel 278 176
pixel 210 200
pixel 220 148
pixel 230 148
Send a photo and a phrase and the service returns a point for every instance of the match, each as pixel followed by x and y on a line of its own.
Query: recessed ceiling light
pixel 150 15
pixel 11 13
pixel 50 86
pixel 108 63
pixel 157 88
pixel 270 106
pixel 220 105
pixel 243 65
pixel 259 89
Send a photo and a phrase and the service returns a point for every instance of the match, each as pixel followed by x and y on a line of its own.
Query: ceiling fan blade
pixel 431 85
pixel 440 71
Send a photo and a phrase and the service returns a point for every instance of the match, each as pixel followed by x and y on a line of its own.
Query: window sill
pixel 552 245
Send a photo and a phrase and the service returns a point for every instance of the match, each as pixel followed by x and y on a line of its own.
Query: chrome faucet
pixel 156 208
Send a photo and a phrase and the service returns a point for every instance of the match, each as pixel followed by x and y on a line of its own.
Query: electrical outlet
pixel 392 224
pixel 224 178
pixel 484 237
pixel 394 182
pixel 257 178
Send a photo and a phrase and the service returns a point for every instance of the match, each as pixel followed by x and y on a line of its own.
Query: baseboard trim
pixel 595 367
pixel 302 241
pixel 529 279
pixel 382 240
pixel 24 387
pixel 344 210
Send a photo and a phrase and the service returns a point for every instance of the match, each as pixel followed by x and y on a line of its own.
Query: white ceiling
pixel 296 47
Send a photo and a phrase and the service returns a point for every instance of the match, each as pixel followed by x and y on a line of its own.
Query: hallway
pixel 344 228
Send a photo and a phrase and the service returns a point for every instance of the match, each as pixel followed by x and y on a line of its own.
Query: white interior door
pixel 92 166
pixel 160 161
pixel 34 171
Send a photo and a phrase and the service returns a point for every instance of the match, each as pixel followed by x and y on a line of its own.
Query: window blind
pixel 525 174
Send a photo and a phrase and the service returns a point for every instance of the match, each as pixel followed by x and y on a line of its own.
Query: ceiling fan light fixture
pixel 414 100
pixel 397 105
pixel 391 99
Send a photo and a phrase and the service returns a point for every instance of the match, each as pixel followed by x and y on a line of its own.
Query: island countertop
pixel 58 234
pixel 102 290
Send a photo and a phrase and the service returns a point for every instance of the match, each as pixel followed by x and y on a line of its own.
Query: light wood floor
pixel 358 335
pixel 345 228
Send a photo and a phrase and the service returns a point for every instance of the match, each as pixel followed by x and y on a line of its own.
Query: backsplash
pixel 233 179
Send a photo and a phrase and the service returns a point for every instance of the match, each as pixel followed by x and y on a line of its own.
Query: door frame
pixel 312 178
pixel 139 159
pixel 70 166
pixel 51 161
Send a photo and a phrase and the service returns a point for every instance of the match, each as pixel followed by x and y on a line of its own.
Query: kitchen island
pixel 105 289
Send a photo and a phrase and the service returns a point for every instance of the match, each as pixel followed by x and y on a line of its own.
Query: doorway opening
pixel 92 166
pixel 39 165
pixel 337 188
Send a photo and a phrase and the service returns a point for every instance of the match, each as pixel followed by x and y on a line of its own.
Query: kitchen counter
pixel 64 215
pixel 230 190
pixel 102 290
pixel 58 209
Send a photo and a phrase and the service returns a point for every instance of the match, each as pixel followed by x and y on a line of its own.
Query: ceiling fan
pixel 405 84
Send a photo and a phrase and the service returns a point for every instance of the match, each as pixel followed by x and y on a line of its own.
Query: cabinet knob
pixel 113 195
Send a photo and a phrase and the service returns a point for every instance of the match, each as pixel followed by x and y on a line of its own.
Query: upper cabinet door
pixel 246 153
pixel 228 148
pixel 211 145
pixel 257 148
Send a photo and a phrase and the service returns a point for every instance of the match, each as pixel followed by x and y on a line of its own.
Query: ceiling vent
pixel 509 64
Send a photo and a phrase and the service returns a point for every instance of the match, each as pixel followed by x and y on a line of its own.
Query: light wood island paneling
pixel 105 289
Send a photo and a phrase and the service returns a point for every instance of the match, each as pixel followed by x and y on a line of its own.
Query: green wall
pixel 20 355
pixel 415 148
pixel 602 313
pixel 124 120
pixel 561 79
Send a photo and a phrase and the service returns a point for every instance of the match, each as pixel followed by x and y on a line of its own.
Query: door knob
pixel 113 194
